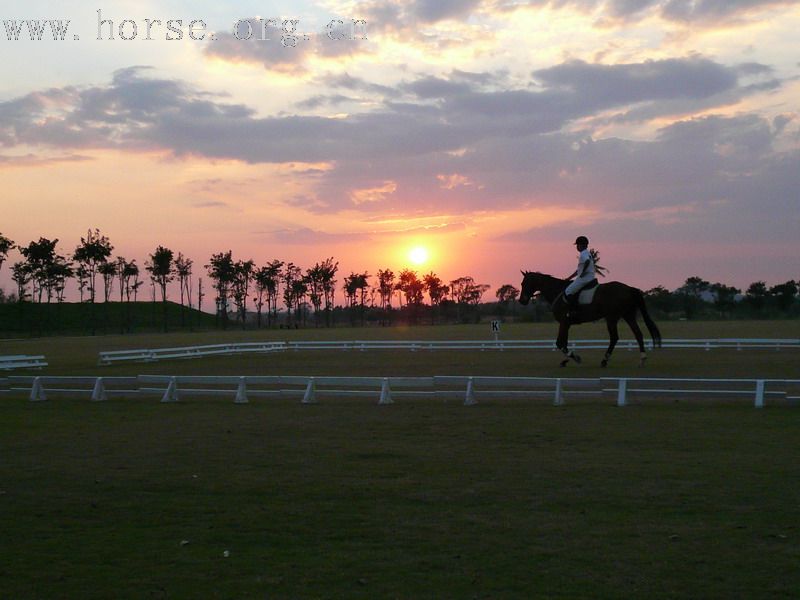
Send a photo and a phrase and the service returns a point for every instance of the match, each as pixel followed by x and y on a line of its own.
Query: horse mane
pixel 544 275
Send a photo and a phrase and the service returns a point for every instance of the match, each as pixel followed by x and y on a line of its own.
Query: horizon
pixel 485 134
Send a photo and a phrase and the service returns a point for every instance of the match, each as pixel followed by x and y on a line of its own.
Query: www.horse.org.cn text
pixel 254 29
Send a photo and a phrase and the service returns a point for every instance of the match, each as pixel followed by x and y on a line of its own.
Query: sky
pixel 489 133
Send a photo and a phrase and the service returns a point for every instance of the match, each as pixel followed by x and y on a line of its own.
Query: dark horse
pixel 612 301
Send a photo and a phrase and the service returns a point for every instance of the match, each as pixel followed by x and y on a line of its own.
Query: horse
pixel 612 301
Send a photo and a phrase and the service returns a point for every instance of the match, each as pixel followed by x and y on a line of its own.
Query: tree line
pixel 277 288
pixel 279 293
pixel 698 298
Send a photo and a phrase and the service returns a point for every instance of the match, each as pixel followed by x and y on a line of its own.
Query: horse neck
pixel 552 287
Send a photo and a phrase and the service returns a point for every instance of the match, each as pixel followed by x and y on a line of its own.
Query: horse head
pixel 528 287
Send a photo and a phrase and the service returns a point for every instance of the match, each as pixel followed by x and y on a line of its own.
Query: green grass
pixel 79 355
pixel 420 499
pixel 415 500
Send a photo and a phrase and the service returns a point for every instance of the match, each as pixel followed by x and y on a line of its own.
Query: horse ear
pixel 524 273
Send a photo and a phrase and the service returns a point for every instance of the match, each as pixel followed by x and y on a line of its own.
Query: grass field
pixel 345 499
pixel 78 355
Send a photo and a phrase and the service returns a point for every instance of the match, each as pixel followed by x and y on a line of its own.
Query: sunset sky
pixel 489 133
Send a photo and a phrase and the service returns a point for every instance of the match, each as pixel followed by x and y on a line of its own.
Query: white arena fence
pixel 383 390
pixel 21 361
pixel 156 354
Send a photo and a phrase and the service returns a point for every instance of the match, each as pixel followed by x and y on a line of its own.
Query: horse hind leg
pixel 630 319
pixel 613 337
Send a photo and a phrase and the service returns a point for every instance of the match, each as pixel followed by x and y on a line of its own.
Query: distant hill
pixel 75 318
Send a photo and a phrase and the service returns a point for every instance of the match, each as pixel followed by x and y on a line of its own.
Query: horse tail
pixel 651 325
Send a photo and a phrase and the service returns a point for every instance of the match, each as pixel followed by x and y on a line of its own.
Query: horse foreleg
pixel 562 343
pixel 613 337
pixel 630 319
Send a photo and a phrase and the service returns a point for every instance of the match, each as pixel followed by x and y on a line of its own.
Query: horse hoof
pixel 563 363
pixel 604 363
pixel 577 358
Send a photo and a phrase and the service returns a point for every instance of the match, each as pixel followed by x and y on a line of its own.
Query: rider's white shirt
pixel 588 273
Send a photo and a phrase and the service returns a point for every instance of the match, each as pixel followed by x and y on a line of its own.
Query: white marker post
pixel 496 329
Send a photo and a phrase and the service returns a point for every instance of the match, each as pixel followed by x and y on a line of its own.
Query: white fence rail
pixel 155 354
pixel 21 361
pixel 383 390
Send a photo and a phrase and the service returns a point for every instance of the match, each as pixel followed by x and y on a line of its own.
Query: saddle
pixel 586 295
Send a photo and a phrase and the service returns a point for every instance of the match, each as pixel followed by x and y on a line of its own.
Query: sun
pixel 418 255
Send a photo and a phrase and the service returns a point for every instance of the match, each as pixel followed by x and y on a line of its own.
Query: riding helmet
pixel 582 240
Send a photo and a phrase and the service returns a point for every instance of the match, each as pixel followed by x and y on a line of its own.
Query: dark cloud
pixel 431 11
pixel 693 77
pixel 696 12
pixel 451 146
pixel 406 15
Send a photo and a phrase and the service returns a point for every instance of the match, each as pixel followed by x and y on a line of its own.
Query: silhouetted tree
pixel 21 275
pixel 506 293
pixel 93 251
pixel 436 289
pixel 83 279
pixel 660 298
pixel 784 294
pixel 329 268
pixel 691 294
pixel 315 280
pixel 222 271
pixel 386 288
pixel 58 272
pixel 183 269
pixel 162 272
pixel 724 296
pixel 6 244
pixel 273 278
pixel 291 275
pixel 506 296
pixel 756 294
pixel 40 256
pixel 437 292
pixel 109 272
pixel 243 273
pixel 261 278
pixel 356 286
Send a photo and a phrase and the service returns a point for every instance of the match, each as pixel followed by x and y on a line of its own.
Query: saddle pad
pixel 586 296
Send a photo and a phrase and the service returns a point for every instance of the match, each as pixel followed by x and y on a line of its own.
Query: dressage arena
pixel 675 495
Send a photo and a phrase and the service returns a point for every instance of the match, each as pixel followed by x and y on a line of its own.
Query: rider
pixel 584 275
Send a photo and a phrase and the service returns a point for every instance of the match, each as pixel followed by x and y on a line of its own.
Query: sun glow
pixel 418 255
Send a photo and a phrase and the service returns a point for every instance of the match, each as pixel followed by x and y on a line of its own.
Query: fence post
pixel 37 391
pixel 171 394
pixel 386 392
pixel 241 392
pixel 309 396
pixel 99 391
pixel 469 399
pixel 622 389
pixel 759 403
pixel 558 399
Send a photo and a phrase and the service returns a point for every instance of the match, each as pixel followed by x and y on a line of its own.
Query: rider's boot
pixel 572 307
